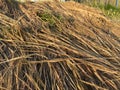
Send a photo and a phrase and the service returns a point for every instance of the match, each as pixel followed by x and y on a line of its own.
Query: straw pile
pixel 57 46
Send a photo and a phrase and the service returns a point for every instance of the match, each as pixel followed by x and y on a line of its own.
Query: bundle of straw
pixel 57 46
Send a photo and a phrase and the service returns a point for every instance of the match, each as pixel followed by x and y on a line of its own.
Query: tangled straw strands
pixel 57 46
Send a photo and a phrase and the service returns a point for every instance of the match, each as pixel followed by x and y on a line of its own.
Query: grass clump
pixel 109 10
pixel 47 17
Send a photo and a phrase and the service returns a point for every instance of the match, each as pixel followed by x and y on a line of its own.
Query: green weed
pixel 47 17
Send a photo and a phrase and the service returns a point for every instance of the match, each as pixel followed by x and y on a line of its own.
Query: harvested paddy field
pixel 57 46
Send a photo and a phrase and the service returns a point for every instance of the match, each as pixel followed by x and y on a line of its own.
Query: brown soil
pixel 57 46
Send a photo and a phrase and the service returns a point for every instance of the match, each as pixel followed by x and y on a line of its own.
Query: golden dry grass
pixel 57 46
